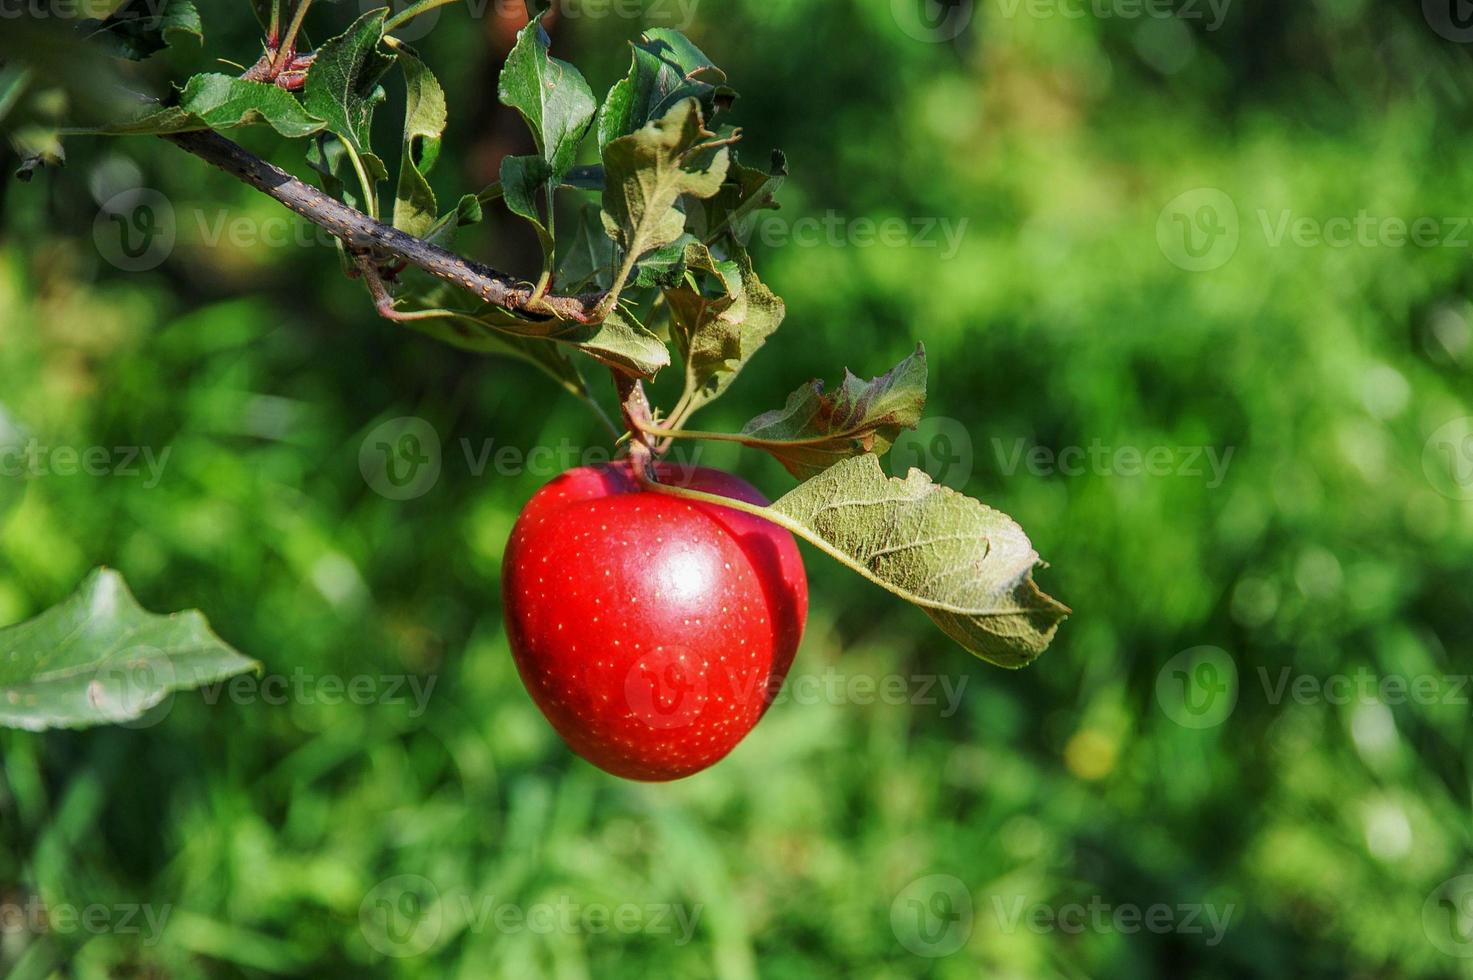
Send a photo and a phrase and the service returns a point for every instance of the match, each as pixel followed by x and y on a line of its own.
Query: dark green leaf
pixel 665 266
pixel 522 180
pixel 665 69
pixel 343 83
pixel 99 658
pixel 217 101
pixel 969 567
pixel 137 29
pixel 467 212
pixel 551 97
pixel 816 430
pixel 415 209
pixel 589 258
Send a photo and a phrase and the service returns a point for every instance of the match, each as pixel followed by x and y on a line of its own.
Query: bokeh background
pixel 1257 719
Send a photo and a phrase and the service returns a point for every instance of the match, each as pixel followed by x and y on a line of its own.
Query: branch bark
pixel 360 233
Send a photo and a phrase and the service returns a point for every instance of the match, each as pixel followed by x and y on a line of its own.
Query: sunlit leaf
pixel 815 429
pixel 969 567
pixel 646 172
pixel 415 209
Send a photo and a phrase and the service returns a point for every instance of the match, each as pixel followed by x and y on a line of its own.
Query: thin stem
pixel 370 196
pixel 672 433
pixel 617 286
pixel 288 47
pixel 273 30
pixel 413 11
pixel 756 510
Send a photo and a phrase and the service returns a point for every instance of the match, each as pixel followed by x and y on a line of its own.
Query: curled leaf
pixel 815 429
pixel 969 567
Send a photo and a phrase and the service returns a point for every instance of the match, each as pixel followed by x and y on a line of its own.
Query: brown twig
pixel 361 233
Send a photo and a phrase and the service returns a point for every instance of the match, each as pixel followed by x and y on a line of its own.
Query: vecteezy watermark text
pixel 405 916
pixel 34 460
pixel 300 687
pixel 1126 918
pixel 35 917
pixel 1102 460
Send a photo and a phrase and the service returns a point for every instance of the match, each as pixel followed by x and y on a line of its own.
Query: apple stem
pixel 635 408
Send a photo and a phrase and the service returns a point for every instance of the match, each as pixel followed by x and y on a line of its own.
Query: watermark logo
pixel 667 687
pixel 401 916
pixel 1198 230
pixel 1208 463
pixel 135 229
pixel 1447 916
pixel 1452 19
pixel 941 447
pixel 1198 688
pixel 400 459
pixel 932 21
pixel 932 916
pixel 1447 459
pixel 134 691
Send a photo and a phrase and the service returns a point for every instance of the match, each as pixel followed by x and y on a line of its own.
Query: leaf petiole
pixel 413 11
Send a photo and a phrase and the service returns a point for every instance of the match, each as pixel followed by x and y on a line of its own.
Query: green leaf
pixel 664 266
pixel 425 116
pixel 550 95
pixel 731 212
pixel 969 567
pixel 332 159
pixel 140 28
pixel 589 258
pixel 646 172
pixel 467 212
pixel 620 341
pixel 665 69
pixel 343 83
pixel 521 180
pixel 99 658
pixel 718 330
pixel 467 333
pixel 814 430
pixel 215 101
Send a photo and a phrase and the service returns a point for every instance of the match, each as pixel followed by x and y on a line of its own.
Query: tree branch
pixel 359 232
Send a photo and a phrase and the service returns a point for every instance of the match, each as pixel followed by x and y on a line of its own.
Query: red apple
pixel 653 632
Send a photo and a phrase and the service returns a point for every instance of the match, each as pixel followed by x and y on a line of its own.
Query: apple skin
pixel 653 632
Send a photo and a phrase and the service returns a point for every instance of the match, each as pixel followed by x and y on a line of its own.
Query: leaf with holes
pixel 99 658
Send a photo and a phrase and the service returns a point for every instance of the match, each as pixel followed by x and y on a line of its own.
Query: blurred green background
pixel 1274 782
